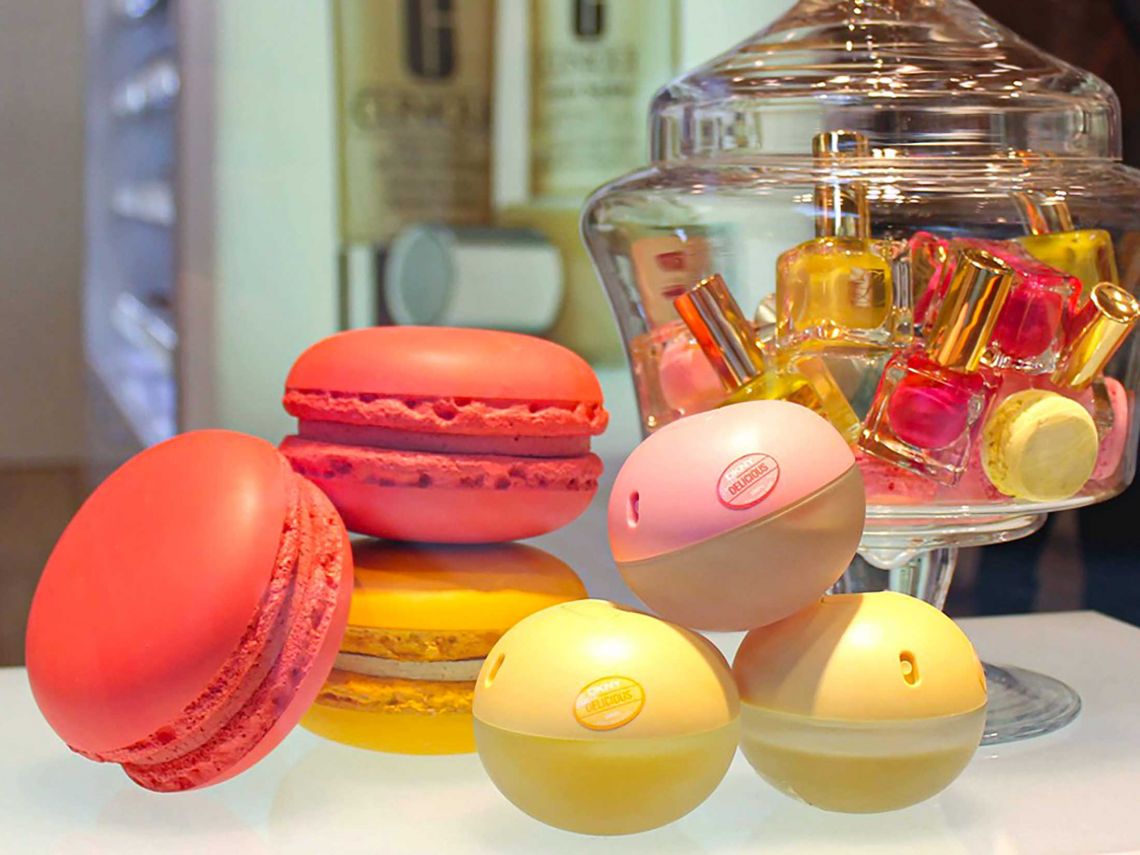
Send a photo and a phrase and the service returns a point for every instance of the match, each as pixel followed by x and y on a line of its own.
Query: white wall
pixel 41 230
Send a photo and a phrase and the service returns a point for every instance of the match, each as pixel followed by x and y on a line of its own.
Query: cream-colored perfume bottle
pixel 1087 254
pixel 840 288
pixel 729 343
pixel 414 128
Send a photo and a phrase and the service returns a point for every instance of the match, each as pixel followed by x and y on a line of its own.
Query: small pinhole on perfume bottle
pixel 633 509
pixel 494 672
pixel 909 668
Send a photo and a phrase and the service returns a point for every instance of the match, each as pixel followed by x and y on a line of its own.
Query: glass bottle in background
pixel 414 83
pixel 594 66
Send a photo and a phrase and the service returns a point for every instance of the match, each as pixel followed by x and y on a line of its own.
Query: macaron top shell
pixel 445 362
pixel 879 656
pixel 458 588
pixel 138 607
pixel 707 474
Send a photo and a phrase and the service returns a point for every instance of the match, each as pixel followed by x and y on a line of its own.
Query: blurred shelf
pixel 153 87
pixel 150 202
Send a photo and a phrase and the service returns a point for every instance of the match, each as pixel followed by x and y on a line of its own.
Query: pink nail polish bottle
pixel 931 399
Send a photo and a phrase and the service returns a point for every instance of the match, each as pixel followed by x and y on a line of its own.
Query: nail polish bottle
pixel 840 288
pixel 747 373
pixel 1100 330
pixel 932 397
pixel 1087 254
pixel 1031 329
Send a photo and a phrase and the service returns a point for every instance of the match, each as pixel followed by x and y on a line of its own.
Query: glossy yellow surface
pixel 1040 446
pixel 602 720
pixel 398 733
pixel 408 586
pixel 1086 253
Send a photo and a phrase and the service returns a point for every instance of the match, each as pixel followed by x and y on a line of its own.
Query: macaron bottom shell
pixel 448 732
pixel 606 786
pixel 436 498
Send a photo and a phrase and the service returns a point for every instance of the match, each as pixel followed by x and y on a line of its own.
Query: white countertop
pixel 1075 791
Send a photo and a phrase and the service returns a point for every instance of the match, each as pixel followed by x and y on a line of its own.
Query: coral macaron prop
pixel 738 517
pixel 421 622
pixel 190 612
pixel 446 435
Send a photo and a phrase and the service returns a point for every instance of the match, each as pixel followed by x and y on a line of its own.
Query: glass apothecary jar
pixel 905 208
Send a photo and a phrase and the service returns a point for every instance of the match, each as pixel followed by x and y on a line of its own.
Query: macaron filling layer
pixel 389 468
pixel 446 670
pixel 451 414
pixel 373 436
pixel 243 702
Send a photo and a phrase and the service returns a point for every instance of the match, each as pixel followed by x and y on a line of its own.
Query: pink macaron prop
pixel 434 434
pixel 738 517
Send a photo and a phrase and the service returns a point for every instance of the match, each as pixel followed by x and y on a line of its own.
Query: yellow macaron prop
pixel 421 621
pixel 1040 446
pixel 599 719
pixel 861 702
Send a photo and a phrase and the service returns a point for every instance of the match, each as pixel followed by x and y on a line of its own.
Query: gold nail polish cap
pixel 841 208
pixel 970 309
pixel 1114 313
pixel 722 331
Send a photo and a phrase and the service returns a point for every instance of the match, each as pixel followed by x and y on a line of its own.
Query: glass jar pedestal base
pixel 1022 703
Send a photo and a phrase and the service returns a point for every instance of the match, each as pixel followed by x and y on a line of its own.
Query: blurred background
pixel 193 190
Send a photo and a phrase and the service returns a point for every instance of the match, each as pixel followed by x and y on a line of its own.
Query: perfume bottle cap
pixel 841 208
pixel 722 331
pixel 974 299
pixel 1108 319
pixel 1044 215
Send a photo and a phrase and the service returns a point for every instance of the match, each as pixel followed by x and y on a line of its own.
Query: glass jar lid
pixel 931 78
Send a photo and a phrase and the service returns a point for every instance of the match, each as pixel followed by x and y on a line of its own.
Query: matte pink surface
pixel 667 495
pixel 446 498
pixel 441 362
pixel 181 624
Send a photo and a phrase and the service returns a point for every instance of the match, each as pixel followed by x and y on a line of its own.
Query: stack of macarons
pixel 463 438
pixel 433 434
pixel 200 600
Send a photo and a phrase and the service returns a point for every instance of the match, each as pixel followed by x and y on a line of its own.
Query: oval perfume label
pixel 609 703
pixel 747 480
